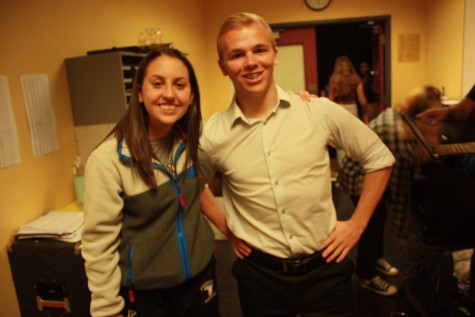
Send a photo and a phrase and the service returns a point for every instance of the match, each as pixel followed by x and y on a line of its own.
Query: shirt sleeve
pixel 356 139
pixel 100 237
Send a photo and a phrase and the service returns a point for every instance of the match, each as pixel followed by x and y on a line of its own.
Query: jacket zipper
pixel 179 227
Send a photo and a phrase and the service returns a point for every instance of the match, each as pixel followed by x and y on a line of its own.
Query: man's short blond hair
pixel 238 19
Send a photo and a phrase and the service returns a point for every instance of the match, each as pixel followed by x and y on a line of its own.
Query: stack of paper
pixel 61 225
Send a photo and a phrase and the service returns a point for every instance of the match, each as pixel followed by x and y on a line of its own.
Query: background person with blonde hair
pixel 343 86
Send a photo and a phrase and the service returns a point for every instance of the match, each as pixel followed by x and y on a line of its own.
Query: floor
pixel 369 304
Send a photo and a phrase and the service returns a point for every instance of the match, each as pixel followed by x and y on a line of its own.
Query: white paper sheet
pixel 40 113
pixel 56 224
pixel 9 146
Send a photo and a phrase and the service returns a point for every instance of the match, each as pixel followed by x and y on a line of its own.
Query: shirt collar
pixel 125 156
pixel 235 114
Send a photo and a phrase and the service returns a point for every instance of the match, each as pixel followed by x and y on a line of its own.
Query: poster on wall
pixel 41 118
pixel 9 146
pixel 409 48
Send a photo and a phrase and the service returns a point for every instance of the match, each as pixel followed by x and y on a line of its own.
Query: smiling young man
pixel 271 148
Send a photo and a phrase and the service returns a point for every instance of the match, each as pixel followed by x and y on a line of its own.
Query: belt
pixel 296 265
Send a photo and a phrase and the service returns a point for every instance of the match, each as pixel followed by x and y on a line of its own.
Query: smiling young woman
pixel 144 238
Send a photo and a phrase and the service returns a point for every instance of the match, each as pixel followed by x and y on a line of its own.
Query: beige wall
pixel 468 71
pixel 36 37
pixel 446 27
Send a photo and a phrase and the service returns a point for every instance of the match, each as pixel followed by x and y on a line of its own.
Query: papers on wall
pixel 409 47
pixel 9 146
pixel 60 225
pixel 40 113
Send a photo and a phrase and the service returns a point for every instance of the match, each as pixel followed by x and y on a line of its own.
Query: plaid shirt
pixel 390 128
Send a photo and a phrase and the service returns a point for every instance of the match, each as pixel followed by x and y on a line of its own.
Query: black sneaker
pixel 379 286
pixel 386 268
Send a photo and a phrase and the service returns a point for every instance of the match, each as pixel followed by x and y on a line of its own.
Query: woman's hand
pixel 240 247
pixel 305 95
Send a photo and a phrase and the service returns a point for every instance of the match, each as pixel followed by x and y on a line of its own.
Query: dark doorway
pixel 334 40
pixel 361 39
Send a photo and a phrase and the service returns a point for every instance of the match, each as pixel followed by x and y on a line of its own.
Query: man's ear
pixel 276 59
pixel 221 66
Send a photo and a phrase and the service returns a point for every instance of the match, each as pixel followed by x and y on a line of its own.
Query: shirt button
pixel 269 153
pixel 283 211
pixel 291 236
pixel 276 183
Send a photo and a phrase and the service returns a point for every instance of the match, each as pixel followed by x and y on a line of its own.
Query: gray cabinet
pixel 100 85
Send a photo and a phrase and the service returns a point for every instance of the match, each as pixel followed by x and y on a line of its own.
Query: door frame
pixel 386 98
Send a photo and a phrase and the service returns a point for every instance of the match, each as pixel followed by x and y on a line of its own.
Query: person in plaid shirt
pixel 393 131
